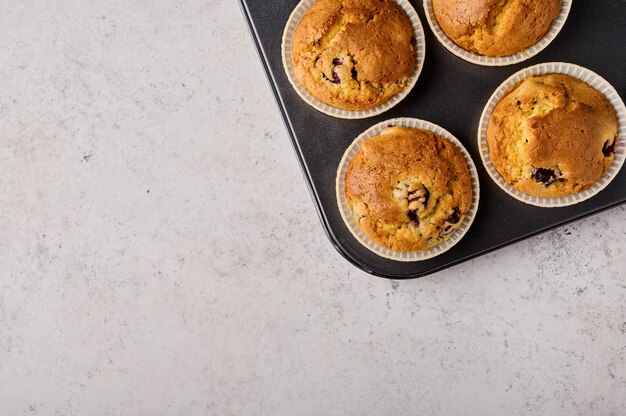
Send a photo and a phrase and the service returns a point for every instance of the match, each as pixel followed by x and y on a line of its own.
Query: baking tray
pixel 452 93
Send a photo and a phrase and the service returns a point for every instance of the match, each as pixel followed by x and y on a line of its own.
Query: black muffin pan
pixel 452 93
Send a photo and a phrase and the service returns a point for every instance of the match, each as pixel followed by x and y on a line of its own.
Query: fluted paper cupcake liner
pixel 477 59
pixel 584 74
pixel 287 44
pixel 346 212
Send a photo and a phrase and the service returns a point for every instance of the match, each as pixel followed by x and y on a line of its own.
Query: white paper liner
pixel 477 59
pixel 346 212
pixel 584 74
pixel 420 53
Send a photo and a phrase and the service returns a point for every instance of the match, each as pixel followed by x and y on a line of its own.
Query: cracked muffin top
pixel 552 136
pixel 354 54
pixel 496 28
pixel 408 189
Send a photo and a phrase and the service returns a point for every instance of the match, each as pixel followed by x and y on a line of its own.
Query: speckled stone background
pixel 160 254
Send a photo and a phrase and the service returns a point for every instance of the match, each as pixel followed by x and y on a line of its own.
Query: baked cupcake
pixel 408 189
pixel 552 136
pixel 496 28
pixel 354 54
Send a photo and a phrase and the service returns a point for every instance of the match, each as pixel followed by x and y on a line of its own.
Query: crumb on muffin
pixel 354 54
pixel 409 189
pixel 552 136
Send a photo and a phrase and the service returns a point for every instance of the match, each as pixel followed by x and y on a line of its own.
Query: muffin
pixel 354 54
pixel 552 136
pixel 496 28
pixel 408 189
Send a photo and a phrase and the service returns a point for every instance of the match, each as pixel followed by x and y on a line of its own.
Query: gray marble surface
pixel 160 254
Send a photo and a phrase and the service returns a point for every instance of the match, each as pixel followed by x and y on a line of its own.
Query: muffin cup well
pixel 584 74
pixel 346 212
pixel 287 44
pixel 477 59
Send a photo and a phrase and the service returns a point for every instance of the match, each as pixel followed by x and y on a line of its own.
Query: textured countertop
pixel 160 254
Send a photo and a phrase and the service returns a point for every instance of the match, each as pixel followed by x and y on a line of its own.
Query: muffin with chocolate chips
pixel 496 28
pixel 408 189
pixel 552 136
pixel 354 54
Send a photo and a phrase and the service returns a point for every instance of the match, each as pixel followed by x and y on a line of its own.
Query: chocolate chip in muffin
pixel 454 217
pixel 414 218
pixel 545 176
pixel 608 148
pixel 414 193
pixel 420 194
pixel 335 80
pixel 418 198
pixel 447 230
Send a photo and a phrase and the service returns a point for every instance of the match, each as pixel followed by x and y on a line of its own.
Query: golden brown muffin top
pixel 354 54
pixel 552 136
pixel 409 189
pixel 496 27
